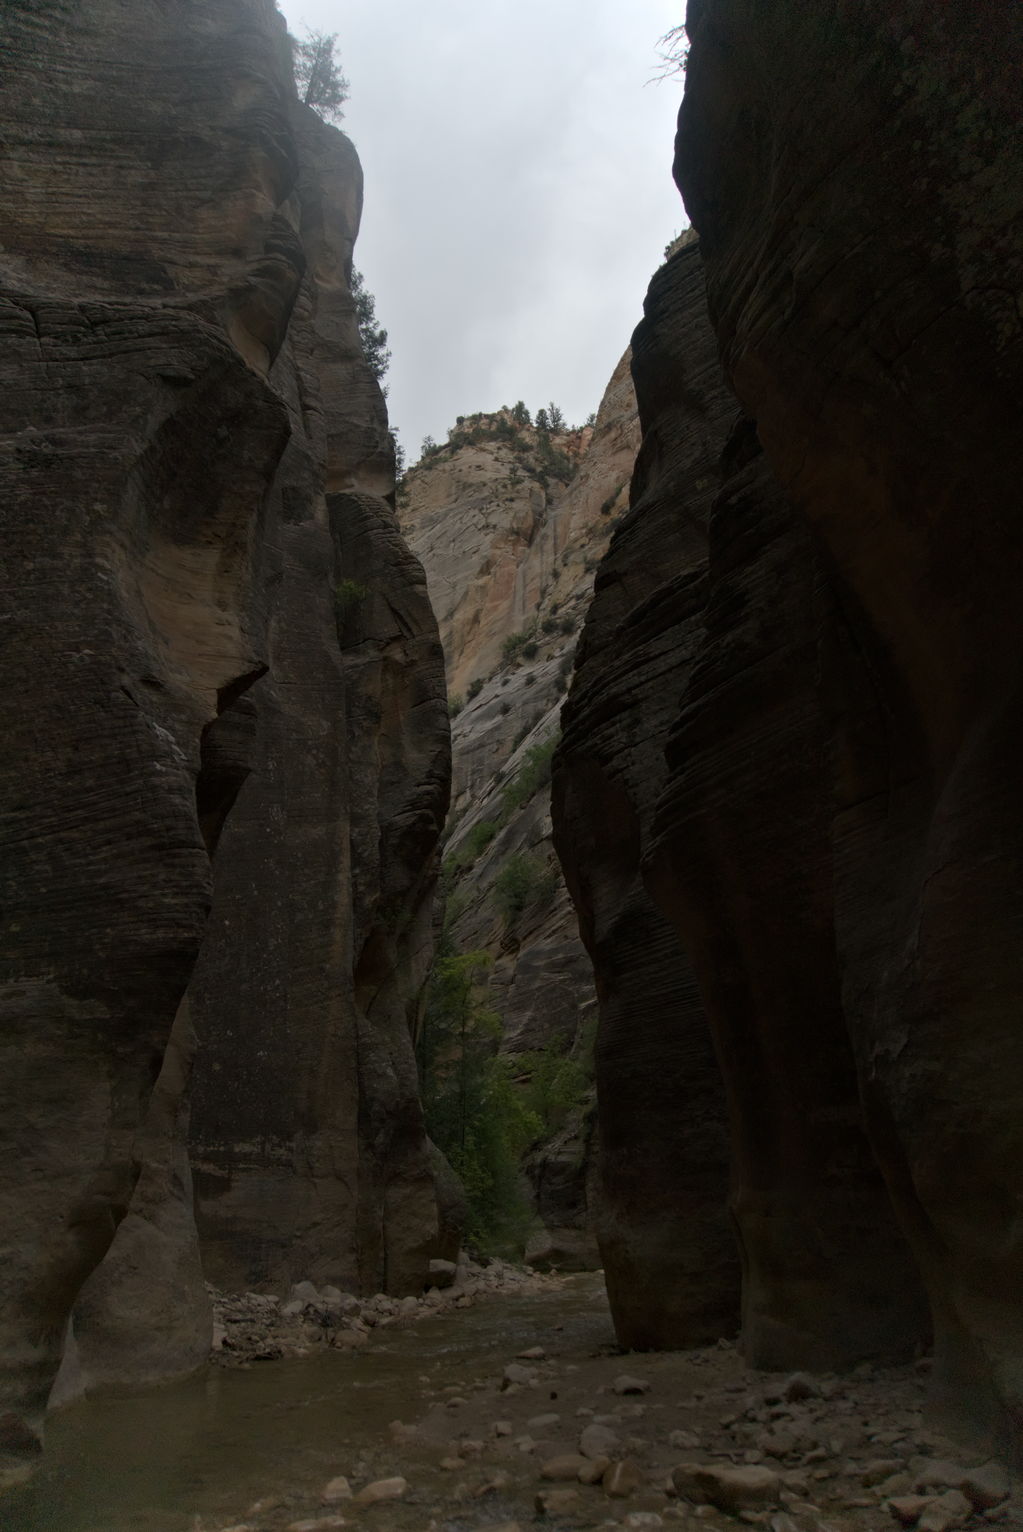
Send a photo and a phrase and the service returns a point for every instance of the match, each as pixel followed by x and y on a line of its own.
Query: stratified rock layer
pixel 669 1256
pixel 182 382
pixel 711 596
pixel 860 209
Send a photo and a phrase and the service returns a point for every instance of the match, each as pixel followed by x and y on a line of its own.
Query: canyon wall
pixel 859 208
pixel 833 844
pixel 223 777
pixel 510 525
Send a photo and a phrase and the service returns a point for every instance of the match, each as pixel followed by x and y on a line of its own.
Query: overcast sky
pixel 518 191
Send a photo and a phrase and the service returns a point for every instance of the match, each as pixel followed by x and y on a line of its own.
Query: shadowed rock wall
pixel 694 772
pixel 182 383
pixel 669 1256
pixel 856 176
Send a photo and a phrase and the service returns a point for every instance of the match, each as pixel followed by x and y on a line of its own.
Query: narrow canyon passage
pixel 482 1409
pixel 596 844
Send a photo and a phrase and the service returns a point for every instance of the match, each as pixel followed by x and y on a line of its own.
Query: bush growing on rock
pixel 473 1112
pixel 523 881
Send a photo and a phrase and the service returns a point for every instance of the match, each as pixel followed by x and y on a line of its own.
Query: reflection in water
pixel 212 1445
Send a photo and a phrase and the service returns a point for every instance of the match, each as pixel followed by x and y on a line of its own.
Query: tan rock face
pixel 883 364
pixel 505 543
pixel 509 555
pixel 179 338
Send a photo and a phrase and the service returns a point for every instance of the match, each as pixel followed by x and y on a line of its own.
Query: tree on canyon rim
pixel 318 76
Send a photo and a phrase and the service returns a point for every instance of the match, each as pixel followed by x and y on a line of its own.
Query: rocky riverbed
pixel 501 1402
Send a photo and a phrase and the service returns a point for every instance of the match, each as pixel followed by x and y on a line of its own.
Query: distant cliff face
pixel 215 646
pixel 509 551
pixel 809 623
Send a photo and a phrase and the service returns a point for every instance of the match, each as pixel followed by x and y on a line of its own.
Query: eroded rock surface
pixel 183 382
pixel 669 1255
pixel 859 209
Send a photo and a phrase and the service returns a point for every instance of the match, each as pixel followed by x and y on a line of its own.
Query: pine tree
pixel 318 76
pixel 373 337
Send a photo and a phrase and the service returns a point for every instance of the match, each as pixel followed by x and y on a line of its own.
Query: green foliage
pixel 543 423
pixel 474 688
pixel 347 596
pixel 429 447
pixel 476 842
pixel 534 773
pixel 399 450
pixel 318 76
pixel 455 705
pixel 555 417
pixel 530 649
pixel 374 339
pixel 558 1084
pixel 516 644
pixel 473 1111
pixel 523 881
pixel 520 414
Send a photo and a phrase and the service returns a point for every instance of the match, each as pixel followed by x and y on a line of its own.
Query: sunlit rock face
pixel 860 216
pixel 193 455
pixel 509 551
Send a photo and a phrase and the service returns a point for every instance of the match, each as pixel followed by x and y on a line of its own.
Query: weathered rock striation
pixel 864 252
pixel 192 461
pixel 833 844
pixel 669 1256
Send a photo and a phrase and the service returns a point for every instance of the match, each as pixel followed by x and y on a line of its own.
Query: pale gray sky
pixel 518 191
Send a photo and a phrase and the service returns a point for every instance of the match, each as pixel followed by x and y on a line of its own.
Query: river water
pixel 198 1453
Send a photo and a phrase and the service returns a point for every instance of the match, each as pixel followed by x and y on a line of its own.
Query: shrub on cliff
pixel 473 1112
pixel 523 881
pixel 318 76
pixel 373 337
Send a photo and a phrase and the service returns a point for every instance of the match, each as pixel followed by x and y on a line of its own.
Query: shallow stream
pixel 198 1453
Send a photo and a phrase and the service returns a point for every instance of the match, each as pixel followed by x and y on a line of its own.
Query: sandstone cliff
pixel 509 550
pixel 833 841
pixel 861 253
pixel 215 641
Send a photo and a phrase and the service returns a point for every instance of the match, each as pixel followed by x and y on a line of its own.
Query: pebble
pixel 629 1385
pixel 316 1524
pixel 502 1428
pixel 730 1489
pixel 684 1440
pixel 556 1502
pixel 337 1489
pixel 952 1509
pixel 594 1471
pixel 643 1519
pixel 599 1441
pixel 534 1354
pixel 986 1486
pixel 620 1479
pixel 516 1373
pixel 906 1508
pixel 538 1424
pixel 381 1489
pixel 566 1465
pixel 800 1386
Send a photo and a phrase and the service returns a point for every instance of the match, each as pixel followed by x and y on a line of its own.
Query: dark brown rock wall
pixel 855 174
pixel 182 384
pixel 742 868
pixel 669 1256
